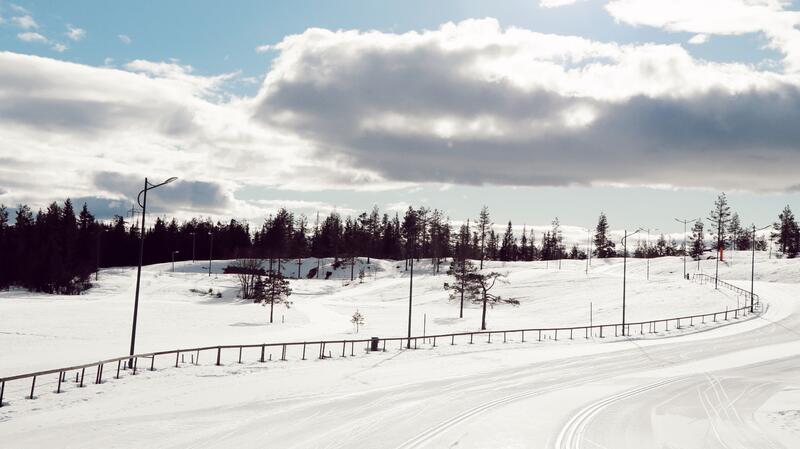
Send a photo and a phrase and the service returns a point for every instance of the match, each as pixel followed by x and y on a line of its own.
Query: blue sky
pixel 205 53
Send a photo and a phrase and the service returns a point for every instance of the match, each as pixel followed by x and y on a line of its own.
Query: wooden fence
pixel 325 349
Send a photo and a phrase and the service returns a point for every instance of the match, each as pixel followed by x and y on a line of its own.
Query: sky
pixel 644 109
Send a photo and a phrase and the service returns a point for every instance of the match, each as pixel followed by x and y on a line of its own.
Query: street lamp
pixel 210 251
pixel 411 287
pixel 647 251
pixel 624 271
pixel 142 200
pixel 685 222
pixel 753 265
pixel 173 260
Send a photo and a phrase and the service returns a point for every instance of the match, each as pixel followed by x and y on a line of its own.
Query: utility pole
pixel 647 251
pixel 143 205
pixel 624 272
pixel 173 260
pixel 685 222
pixel 411 286
pixel 719 250
pixel 753 266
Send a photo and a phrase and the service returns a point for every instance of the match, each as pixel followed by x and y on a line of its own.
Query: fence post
pixel 283 354
pixel 304 351
pixel 556 339
pixel 452 340
pixel 490 338
pixel 240 354
pixel 58 390
pixel 177 356
pixel 119 362
pixel 219 354
pixel 540 334
pixel 344 345
pixel 470 338
pixel 83 371
pixel 152 362
pixel 523 336
pixel 586 331
pixel 33 384
pixel 352 348
pixel 570 333
pixel 2 390
pixel 263 348
pixel 504 337
pixel 434 342
pixel 601 331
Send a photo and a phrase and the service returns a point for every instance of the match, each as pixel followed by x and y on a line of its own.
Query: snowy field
pixel 733 385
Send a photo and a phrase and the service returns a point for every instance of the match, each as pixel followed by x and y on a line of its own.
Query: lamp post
pixel 210 251
pixel 193 234
pixel 753 265
pixel 142 200
pixel 624 271
pixel 173 260
pixel 411 287
pixel 685 222
pixel 589 249
pixel 647 251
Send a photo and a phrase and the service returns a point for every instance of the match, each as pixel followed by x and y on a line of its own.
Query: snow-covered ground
pixel 733 385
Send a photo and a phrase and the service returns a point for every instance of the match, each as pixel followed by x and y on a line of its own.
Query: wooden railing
pixel 329 348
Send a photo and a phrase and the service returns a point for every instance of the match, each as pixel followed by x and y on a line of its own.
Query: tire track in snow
pixel 572 434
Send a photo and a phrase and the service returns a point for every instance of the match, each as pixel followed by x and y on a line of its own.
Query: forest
pixel 58 250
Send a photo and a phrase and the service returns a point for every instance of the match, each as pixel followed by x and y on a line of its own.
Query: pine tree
pixel 735 230
pixel 462 270
pixel 698 245
pixel 604 248
pixel 786 233
pixel 484 224
pixel 277 291
pixel 508 244
pixel 719 217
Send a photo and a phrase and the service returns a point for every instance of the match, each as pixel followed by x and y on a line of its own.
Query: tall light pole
pixel 647 251
pixel 753 265
pixel 142 200
pixel 719 252
pixel 589 249
pixel 173 260
pixel 210 251
pixel 411 286
pixel 685 222
pixel 624 271
pixel 193 234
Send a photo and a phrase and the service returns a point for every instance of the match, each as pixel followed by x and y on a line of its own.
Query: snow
pixel 729 384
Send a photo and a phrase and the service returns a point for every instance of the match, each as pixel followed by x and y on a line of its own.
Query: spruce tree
pixel 698 243
pixel 603 247
pixel 786 234
pixel 718 218
pixel 483 224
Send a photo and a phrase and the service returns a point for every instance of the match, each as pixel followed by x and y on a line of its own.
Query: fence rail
pixel 325 348
pixel 704 278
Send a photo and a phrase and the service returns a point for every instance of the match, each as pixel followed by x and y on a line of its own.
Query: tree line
pixel 56 250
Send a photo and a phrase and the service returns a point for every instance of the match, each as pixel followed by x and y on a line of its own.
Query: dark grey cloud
pixel 180 195
pixel 713 138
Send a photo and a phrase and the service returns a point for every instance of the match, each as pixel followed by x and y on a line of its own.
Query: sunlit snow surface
pixel 734 385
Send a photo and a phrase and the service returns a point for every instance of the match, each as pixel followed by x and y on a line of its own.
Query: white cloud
pixel 75 33
pixel 30 36
pixel 515 107
pixel 25 22
pixel 18 8
pixel 718 17
pixel 73 124
pixel 125 39
pixel 698 39
pixel 59 47
pixel 556 3
pixel 264 48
